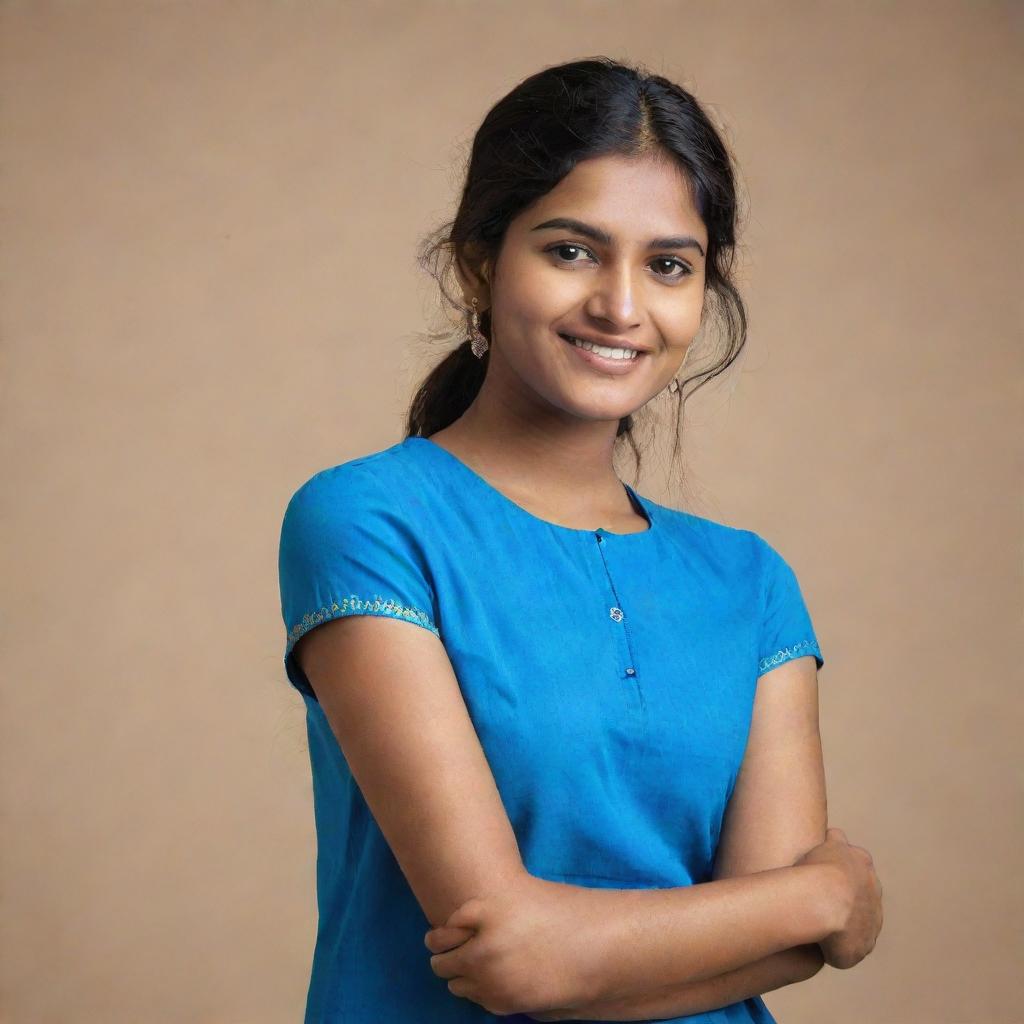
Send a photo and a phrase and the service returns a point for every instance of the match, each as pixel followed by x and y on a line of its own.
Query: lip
pixel 617 367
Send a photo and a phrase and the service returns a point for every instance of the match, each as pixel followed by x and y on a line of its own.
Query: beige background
pixel 209 213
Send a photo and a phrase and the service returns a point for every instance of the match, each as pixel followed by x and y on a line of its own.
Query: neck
pixel 564 462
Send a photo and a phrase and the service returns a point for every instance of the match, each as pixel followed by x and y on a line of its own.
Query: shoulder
pixel 350 545
pixel 369 503
pixel 362 486
pixel 730 546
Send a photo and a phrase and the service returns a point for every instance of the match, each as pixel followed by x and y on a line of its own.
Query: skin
pixel 542 427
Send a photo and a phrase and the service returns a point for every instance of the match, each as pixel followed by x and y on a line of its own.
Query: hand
pixel 445 938
pixel 862 899
pixel 525 947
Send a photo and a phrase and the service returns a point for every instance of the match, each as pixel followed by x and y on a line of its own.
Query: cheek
pixel 691 315
pixel 679 326
pixel 528 300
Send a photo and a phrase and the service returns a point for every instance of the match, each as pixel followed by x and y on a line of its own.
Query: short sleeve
pixel 346 549
pixel 786 628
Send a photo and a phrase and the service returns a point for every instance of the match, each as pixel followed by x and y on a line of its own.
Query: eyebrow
pixel 597 235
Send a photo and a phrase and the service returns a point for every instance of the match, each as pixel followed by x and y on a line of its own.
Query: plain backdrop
pixel 209 292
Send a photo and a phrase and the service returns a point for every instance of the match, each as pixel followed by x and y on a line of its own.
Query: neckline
pixel 640 503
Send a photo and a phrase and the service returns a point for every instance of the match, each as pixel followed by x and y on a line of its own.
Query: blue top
pixel 610 678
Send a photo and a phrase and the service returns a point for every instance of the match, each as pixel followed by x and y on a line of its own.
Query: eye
pixel 685 270
pixel 567 245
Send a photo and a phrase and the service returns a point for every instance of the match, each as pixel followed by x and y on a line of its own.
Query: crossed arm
pixel 778 811
pixel 643 953
pixel 771 972
pixel 392 699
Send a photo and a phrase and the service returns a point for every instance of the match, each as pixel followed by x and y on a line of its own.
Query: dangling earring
pixel 477 340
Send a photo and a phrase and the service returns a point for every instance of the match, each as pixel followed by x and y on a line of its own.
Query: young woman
pixel 564 739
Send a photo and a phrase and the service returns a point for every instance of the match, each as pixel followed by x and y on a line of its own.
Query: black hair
pixel 531 139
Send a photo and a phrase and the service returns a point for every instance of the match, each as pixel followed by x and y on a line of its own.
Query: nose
pixel 613 299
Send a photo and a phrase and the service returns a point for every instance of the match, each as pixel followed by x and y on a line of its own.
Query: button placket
pixel 627 664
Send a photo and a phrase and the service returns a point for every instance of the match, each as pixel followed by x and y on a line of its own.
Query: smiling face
pixel 613 254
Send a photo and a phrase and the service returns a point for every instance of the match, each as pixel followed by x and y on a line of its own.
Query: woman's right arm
pixel 394 704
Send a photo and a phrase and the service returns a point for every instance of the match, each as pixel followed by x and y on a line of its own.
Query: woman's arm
pixel 776 971
pixel 394 704
pixel 777 813
pixel 535 939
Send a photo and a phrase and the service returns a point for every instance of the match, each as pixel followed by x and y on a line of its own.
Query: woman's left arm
pixel 778 811
pixel 776 971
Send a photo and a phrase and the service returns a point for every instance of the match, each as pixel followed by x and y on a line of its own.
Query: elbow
pixel 441 895
pixel 809 960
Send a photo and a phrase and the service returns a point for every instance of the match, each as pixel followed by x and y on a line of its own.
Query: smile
pixel 614 362
pixel 602 350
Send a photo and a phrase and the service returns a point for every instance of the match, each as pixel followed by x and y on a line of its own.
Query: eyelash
pixel 687 270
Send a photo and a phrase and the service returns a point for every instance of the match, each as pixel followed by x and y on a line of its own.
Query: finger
pixel 836 833
pixel 443 938
pixel 463 988
pixel 451 964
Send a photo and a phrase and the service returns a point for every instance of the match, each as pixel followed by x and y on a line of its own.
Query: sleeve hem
pixel 788 653
pixel 354 605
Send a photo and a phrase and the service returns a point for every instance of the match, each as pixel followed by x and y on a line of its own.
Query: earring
pixel 475 337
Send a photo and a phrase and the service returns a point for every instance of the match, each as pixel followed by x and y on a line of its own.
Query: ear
pixel 474 276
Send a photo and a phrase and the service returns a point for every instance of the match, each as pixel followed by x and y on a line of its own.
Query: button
pixel 616 614
pixel 630 671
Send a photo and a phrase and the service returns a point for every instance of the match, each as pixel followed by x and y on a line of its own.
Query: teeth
pixel 602 350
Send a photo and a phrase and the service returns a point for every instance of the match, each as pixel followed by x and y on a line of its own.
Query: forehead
pixel 634 197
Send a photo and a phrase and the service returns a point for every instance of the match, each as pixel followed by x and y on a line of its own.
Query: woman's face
pixel 628 273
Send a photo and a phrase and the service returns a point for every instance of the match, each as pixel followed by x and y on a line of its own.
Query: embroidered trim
pixel 804 647
pixel 354 605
